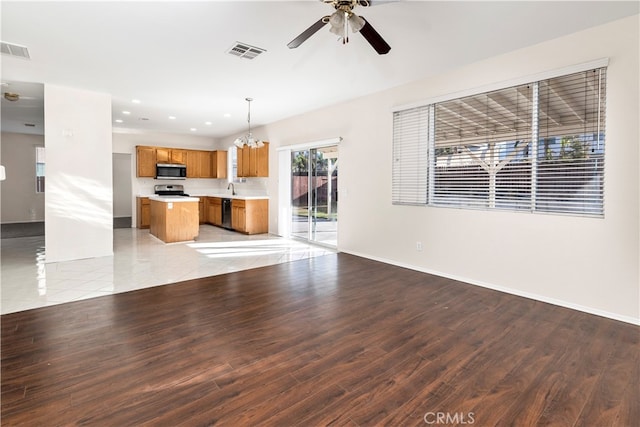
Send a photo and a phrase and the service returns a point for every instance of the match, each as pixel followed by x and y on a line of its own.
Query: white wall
pixel 122 185
pixel 78 184
pixel 586 263
pixel 20 202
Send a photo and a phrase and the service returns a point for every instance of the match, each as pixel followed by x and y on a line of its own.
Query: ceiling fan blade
pixel 375 40
pixel 308 32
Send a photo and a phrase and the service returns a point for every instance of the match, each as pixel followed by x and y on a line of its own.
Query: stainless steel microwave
pixel 170 171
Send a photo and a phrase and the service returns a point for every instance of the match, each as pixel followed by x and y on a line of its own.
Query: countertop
pixel 173 199
pixel 197 195
pixel 229 196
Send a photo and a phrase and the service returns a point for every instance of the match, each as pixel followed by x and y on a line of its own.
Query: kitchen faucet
pixel 233 189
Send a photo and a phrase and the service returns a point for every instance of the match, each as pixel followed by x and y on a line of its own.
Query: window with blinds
pixel 409 171
pixel 535 147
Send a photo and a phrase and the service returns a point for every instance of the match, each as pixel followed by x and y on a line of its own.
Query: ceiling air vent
pixel 15 50
pixel 244 50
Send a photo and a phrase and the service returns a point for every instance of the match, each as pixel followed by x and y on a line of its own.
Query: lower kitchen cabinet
pixel 250 216
pixel 143 212
pixel 214 211
pixel 202 210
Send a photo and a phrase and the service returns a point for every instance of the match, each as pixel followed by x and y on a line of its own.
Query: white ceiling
pixel 172 55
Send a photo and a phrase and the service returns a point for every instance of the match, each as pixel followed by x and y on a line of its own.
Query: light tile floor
pixel 139 261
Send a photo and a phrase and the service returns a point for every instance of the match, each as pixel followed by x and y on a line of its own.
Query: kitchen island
pixel 174 218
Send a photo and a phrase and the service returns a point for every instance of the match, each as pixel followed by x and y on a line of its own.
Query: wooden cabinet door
pixel 219 164
pixel 204 161
pixel 163 155
pixel 210 210
pixel 178 156
pixel 256 216
pixel 238 215
pixel 143 211
pixel 202 210
pixel 246 162
pixel 146 161
pixel 193 164
pixel 262 160
pixel 217 211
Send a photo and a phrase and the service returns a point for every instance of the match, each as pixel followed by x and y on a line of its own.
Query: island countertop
pixel 172 199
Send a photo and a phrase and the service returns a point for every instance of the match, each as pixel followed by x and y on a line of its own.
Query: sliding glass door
pixel 314 195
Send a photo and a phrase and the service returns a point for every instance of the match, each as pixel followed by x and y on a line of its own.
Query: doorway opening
pixel 314 195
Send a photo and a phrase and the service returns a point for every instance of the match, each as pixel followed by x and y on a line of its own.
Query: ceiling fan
pixel 340 21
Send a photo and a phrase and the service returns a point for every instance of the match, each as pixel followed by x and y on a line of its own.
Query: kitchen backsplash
pixel 195 186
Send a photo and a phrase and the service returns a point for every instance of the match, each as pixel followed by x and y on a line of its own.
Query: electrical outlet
pixel 418 246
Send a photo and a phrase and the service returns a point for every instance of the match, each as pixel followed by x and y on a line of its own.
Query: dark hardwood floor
pixel 335 340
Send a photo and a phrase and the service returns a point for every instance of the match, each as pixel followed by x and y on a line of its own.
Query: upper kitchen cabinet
pixel 178 156
pixel 200 163
pixel 171 155
pixel 163 155
pixel 219 164
pixel 204 162
pixel 193 164
pixel 146 161
pixel 253 162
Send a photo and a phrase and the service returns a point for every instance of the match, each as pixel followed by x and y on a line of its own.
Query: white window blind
pixel 482 150
pixel 409 170
pixel 536 147
pixel 570 176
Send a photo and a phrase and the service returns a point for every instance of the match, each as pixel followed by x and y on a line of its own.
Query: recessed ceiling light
pixel 126 112
pixel 135 101
pixel 208 123
pixel 172 117
pixel 227 115
pixel 118 120
pixel 193 129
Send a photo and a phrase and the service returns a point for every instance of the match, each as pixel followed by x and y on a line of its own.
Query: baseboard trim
pixel 536 297
pixel 21 229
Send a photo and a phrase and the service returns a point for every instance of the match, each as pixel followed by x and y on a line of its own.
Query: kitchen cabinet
pixel 174 219
pixel 202 210
pixel 178 156
pixel 200 163
pixel 193 164
pixel 253 162
pixel 146 161
pixel 238 215
pixel 219 164
pixel 214 211
pixel 171 155
pixel 204 164
pixel 250 216
pixel 143 212
pixel 163 155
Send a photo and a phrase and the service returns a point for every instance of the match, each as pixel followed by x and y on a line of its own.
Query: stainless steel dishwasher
pixel 226 213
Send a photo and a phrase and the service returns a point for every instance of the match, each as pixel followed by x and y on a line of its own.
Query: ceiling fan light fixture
pixel 356 23
pixel 337 22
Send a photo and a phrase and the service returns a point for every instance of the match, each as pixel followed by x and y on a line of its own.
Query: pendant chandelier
pixel 248 139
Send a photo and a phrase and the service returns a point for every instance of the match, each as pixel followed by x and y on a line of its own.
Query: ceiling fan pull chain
pixel 345 39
